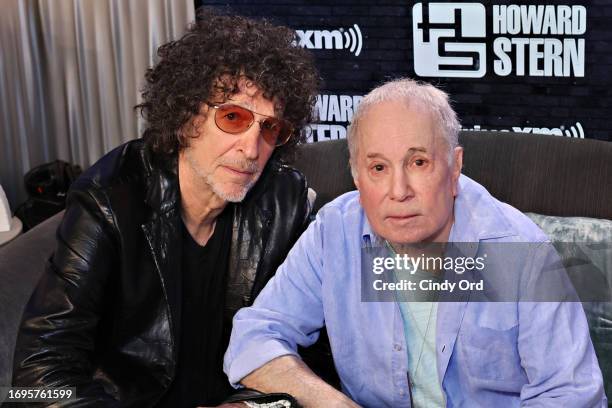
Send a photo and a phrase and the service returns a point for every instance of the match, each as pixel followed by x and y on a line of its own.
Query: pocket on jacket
pixel 492 354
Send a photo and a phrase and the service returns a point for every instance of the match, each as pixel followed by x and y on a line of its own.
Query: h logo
pixel 449 39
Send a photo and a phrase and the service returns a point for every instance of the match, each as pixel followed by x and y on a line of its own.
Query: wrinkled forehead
pixel 395 127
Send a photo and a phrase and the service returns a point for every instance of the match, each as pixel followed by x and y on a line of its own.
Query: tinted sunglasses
pixel 235 119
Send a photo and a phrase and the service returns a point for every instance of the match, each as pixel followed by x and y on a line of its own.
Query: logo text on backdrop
pixel 340 39
pixel 450 40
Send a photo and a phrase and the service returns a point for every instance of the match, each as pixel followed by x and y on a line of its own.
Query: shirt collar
pixel 477 214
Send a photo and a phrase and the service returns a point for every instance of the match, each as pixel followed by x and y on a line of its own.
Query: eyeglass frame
pixel 283 121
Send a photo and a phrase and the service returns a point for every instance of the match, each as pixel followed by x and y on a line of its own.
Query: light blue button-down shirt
pixel 488 354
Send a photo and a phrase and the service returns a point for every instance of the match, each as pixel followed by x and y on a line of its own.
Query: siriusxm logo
pixel 339 39
pixel 576 131
pixel 573 131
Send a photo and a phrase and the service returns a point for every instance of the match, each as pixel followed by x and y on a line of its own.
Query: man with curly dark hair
pixel 167 236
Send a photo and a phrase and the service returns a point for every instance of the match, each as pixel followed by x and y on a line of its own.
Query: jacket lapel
pixel 249 237
pixel 163 234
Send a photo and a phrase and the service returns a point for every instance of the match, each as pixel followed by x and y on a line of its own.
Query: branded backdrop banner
pixel 525 66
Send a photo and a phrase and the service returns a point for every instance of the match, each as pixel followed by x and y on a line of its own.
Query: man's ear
pixel 457 166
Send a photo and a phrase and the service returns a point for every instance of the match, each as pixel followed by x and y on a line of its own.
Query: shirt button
pixel 402 393
pixel 397 347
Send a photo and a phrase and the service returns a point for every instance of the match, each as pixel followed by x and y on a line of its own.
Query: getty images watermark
pixel 420 273
pixel 483 272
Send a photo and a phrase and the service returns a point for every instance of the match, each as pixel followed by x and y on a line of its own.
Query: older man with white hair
pixel 406 164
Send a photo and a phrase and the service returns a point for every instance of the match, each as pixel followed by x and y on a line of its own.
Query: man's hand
pixel 290 375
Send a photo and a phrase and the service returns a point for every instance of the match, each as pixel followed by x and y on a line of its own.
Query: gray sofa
pixel 546 175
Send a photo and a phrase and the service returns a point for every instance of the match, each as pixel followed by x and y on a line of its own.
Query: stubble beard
pixel 234 195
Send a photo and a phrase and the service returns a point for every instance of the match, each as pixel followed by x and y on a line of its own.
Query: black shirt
pixel 200 379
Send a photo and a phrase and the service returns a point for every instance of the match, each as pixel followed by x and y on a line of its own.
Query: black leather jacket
pixel 106 314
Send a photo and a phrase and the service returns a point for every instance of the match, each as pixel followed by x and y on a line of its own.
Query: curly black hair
pixel 209 60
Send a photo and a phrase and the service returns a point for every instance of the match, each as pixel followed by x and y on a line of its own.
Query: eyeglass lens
pixel 236 119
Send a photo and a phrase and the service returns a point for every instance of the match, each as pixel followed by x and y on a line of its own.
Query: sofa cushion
pixel 326 167
pixel 585 246
pixel 543 174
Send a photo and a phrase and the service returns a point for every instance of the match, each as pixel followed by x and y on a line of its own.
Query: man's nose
pixel 400 189
pixel 250 140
